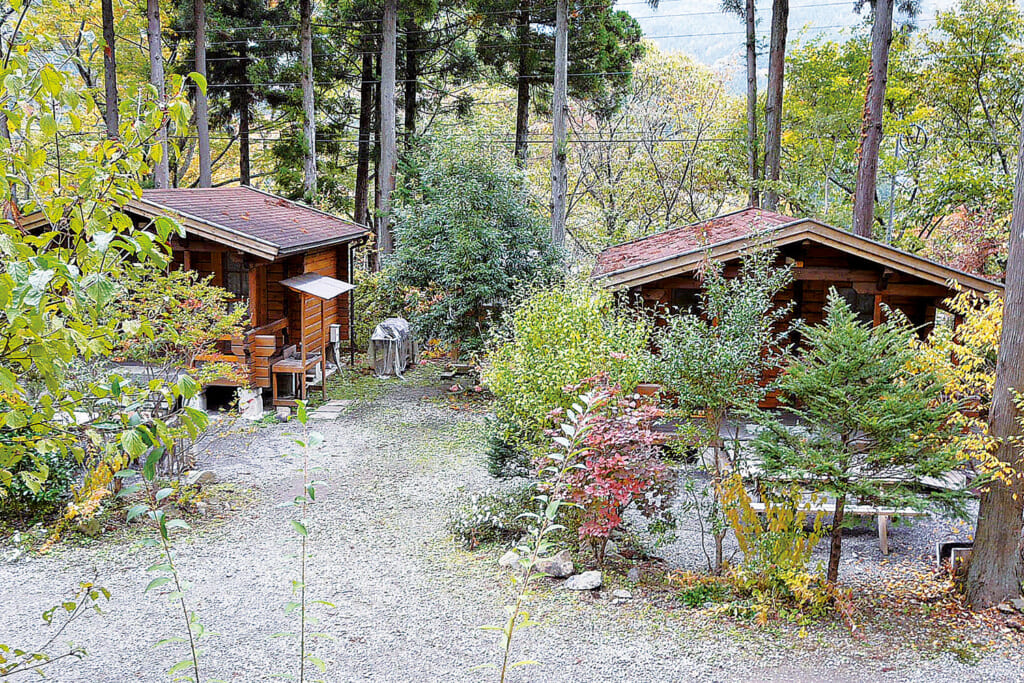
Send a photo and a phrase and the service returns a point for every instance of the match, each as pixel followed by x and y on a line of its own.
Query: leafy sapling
pixel 300 525
pixel 15 660
pixel 567 455
pixel 715 359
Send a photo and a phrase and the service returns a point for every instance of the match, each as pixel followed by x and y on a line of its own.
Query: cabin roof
pixel 248 219
pixel 682 250
pixel 686 238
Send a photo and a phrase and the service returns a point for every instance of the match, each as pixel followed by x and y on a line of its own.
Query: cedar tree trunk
pixel 773 102
pixel 388 149
pixel 412 74
pixel 361 212
pixel 871 128
pixel 202 105
pixel 244 162
pixel 558 112
pixel 752 145
pixel 522 150
pixel 308 107
pixel 161 173
pixel 110 117
pixel 995 571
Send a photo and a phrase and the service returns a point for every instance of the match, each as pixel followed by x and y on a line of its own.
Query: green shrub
pixel 493 517
pixel 559 336
pixel 467 236
pixel 378 296
pixel 53 491
pixel 505 455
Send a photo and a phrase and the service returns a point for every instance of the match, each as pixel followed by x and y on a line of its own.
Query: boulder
pixel 622 594
pixel 587 581
pixel 201 478
pixel 283 413
pixel 1018 603
pixel 633 576
pixel 509 560
pixel 559 566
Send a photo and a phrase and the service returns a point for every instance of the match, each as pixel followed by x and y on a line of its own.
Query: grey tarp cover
pixel 392 348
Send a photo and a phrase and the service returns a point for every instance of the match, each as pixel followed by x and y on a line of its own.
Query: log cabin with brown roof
pixel 252 242
pixel 663 270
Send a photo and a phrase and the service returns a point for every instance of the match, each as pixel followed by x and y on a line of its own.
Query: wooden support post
pixel 883 533
pixel 878 310
pixel 217 266
pixel 188 259
pixel 323 351
pixel 257 302
pixel 302 322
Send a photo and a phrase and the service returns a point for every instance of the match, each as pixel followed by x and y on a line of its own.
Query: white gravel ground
pixel 407 602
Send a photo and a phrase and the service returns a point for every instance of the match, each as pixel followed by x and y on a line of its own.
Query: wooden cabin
pixel 257 245
pixel 663 269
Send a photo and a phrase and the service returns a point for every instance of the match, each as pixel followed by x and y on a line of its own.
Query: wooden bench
pixel 881 513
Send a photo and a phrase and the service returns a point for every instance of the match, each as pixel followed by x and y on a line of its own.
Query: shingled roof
pixel 687 238
pixel 682 250
pixel 251 220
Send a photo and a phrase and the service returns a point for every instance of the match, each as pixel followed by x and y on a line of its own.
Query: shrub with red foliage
pixel 620 464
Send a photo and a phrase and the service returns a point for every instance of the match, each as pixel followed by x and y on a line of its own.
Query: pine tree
pixel 872 426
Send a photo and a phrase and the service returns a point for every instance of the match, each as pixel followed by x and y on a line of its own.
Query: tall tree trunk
pixel 388 149
pixel 558 112
pixel 110 116
pixel 773 103
pixel 202 104
pixel 523 77
pixel 361 211
pixel 412 74
pixel 836 547
pixel 871 128
pixel 755 198
pixel 308 108
pixel 996 570
pixel 244 160
pixel 161 174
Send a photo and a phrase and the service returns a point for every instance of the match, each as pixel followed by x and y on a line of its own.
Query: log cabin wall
pixel 333 262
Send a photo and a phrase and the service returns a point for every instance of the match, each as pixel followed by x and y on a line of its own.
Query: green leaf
pixel 133 443
pixel 299 527
pixel 149 468
pixel 136 510
pixel 181 666
pixel 157 582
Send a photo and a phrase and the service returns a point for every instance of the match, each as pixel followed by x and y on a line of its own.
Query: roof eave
pixel 788 233
pixel 209 230
pixel 299 248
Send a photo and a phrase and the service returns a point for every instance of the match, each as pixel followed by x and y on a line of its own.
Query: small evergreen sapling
pixel 873 426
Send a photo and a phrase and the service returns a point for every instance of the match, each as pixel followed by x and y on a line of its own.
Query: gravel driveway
pixel 407 602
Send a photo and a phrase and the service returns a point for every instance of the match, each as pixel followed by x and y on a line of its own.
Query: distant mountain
pixel 701 29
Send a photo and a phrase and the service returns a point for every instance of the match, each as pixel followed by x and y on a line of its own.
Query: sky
pixel 701 29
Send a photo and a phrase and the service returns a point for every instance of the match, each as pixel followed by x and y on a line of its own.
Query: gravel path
pixel 407 603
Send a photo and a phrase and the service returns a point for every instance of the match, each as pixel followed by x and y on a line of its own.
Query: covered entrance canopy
pixel 312 288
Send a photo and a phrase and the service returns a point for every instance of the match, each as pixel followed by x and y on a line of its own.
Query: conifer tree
pixel 872 427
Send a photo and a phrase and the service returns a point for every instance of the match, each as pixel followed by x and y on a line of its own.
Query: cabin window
pixel 686 300
pixel 236 277
pixel 863 305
